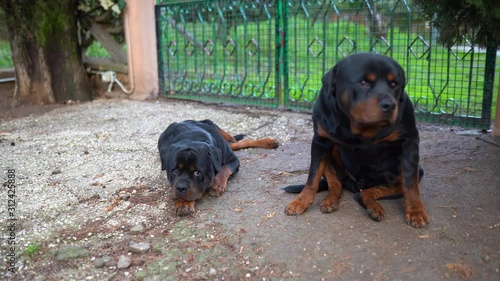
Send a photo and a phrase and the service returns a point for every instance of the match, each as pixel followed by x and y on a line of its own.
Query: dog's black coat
pixel 365 136
pixel 367 162
pixel 192 153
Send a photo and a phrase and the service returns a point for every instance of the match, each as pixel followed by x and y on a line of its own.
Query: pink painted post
pixel 140 35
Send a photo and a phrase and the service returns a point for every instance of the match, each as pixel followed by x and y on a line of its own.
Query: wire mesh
pixel 274 53
pixel 218 51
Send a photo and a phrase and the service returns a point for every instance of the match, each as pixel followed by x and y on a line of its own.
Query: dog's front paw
pixel 218 186
pixel 416 214
pixel 216 191
pixel 184 208
pixel 417 218
pixel 376 213
pixel 298 206
pixel 329 204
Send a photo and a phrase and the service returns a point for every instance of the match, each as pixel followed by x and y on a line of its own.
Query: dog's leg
pixel 226 136
pixel 368 199
pixel 415 212
pixel 317 169
pixel 268 143
pixel 302 202
pixel 220 181
pixel 331 200
pixel 183 207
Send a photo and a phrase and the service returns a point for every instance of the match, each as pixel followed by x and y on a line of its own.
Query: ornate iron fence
pixel 274 53
pixel 219 51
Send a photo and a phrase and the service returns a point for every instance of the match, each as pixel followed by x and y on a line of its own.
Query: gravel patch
pixel 74 164
pixel 87 152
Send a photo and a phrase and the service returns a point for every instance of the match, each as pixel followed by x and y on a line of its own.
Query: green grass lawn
pixel 95 50
pixel 5 55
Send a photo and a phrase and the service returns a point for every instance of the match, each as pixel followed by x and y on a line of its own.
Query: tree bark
pixel 45 50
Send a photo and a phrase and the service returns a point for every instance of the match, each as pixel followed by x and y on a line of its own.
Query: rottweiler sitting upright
pixel 198 157
pixel 365 140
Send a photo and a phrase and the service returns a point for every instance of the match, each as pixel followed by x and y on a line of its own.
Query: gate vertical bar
pixel 489 80
pixel 159 47
pixel 284 46
pixel 278 51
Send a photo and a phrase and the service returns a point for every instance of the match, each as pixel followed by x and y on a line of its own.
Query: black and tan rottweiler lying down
pixel 199 157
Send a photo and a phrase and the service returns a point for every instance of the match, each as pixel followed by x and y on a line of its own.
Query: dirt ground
pixel 89 189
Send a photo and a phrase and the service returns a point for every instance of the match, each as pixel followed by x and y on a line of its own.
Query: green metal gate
pixel 274 53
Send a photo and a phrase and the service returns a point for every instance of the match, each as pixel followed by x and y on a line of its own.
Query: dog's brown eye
pixel 175 172
pixel 392 84
pixel 364 83
pixel 197 173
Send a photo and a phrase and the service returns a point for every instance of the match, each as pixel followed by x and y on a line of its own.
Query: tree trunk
pixel 47 58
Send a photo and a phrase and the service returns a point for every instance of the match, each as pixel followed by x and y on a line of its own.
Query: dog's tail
pixel 239 137
pixel 323 185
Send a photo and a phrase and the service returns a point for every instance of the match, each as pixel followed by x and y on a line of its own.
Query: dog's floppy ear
pixel 329 80
pixel 403 92
pixel 402 77
pixel 167 155
pixel 164 152
pixel 215 154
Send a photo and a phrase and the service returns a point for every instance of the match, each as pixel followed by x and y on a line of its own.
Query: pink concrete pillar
pixel 140 35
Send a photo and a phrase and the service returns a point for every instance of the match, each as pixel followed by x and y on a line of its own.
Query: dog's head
pixel 368 88
pixel 190 168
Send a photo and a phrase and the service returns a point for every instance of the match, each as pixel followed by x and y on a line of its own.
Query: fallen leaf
pixel 101 136
pixel 271 215
pixel 469 169
pixel 114 204
pixel 460 268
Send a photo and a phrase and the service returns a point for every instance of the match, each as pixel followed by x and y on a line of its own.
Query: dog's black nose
pixel 181 187
pixel 387 105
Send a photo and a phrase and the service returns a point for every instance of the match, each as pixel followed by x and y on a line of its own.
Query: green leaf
pixel 122 4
